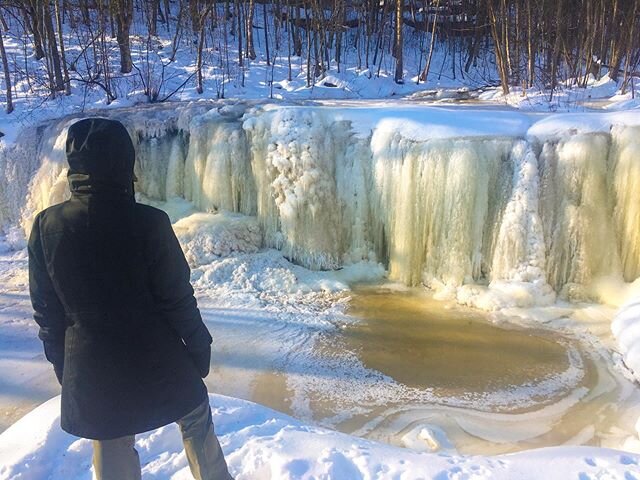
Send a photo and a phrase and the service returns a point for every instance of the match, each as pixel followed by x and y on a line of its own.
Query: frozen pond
pixel 408 370
pixel 414 340
pixel 523 388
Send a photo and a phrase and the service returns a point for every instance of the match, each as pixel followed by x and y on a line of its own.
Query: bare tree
pixel 202 17
pixel 65 70
pixel 497 33
pixel 53 56
pixel 5 68
pixel 153 6
pixel 178 32
pixel 399 44
pixel 123 10
pixel 84 10
pixel 33 15
pixel 518 42
pixel 251 52
pixel 427 66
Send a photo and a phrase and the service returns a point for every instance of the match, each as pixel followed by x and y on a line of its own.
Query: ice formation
pixel 626 329
pixel 206 237
pixel 511 219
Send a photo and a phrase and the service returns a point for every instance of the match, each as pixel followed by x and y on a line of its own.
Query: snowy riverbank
pixel 260 443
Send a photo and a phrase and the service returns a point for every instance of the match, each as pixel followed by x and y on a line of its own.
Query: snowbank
pixel 421 123
pixel 260 443
pixel 562 123
pixel 270 273
pixel 205 237
pixel 626 329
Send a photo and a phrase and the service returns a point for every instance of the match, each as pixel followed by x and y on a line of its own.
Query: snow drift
pixel 260 443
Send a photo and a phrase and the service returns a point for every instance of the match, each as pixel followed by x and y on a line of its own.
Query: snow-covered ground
pixel 626 330
pixel 260 443
pixel 246 306
pixel 267 316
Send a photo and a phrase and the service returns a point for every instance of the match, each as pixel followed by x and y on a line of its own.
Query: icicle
pixel 625 186
pixel 174 186
pixel 18 163
pixel 217 171
pixel 295 151
pixel 576 210
pixel 49 185
pixel 437 202
pixel 519 250
pixel 352 186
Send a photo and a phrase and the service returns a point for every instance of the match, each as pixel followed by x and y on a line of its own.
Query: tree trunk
pixel 178 32
pixel 251 52
pixel 630 48
pixel 239 21
pixel 167 13
pixel 65 70
pixel 306 14
pixel 427 66
pixel 194 12
pixel 555 58
pixel 295 32
pixel 202 19
pixel 152 16
pixel 289 35
pixel 124 16
pixel 504 16
pixel 498 47
pixel 36 28
pixel 530 49
pixel 7 74
pixel 52 45
pixel 399 44
pixel 266 32
pixel 199 84
pixel 84 10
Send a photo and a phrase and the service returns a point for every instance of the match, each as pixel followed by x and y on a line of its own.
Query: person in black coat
pixel 111 292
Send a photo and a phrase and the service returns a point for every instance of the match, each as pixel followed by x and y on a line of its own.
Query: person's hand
pixel 202 360
pixel 54 352
pixel 58 370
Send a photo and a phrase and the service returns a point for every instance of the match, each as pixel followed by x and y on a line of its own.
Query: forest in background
pixel 522 43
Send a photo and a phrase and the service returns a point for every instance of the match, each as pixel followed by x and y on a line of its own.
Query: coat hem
pixel 134 430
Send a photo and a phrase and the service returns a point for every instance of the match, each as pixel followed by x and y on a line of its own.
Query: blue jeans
pixel 118 459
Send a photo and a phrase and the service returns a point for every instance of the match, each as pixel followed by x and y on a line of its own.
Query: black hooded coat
pixel 110 289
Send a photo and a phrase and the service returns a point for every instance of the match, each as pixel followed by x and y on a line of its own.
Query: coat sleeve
pixel 48 310
pixel 173 294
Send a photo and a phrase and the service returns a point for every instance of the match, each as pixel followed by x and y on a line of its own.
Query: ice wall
pixel 436 205
pixel 624 189
pixel 560 210
pixel 295 156
pixel 30 175
pixel 576 209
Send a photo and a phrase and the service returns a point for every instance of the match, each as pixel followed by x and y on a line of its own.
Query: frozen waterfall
pixel 552 211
